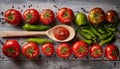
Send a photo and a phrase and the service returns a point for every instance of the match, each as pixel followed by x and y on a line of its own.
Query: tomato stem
pixel 48 49
pixel 115 52
pixel 81 50
pixel 10 17
pixel 47 15
pixel 64 50
pixel 97 52
pixel 29 17
pixel 10 51
pixel 30 51
pixel 65 14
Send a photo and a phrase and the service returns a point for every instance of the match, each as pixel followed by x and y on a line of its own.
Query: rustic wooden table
pixel 54 62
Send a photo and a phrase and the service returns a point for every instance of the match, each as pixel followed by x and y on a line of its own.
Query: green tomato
pixel 80 19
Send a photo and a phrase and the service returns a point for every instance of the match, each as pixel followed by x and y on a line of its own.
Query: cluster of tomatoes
pixel 80 49
pixel 64 15
pixel 32 16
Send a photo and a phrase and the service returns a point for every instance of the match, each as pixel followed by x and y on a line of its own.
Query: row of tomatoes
pixel 32 16
pixel 64 15
pixel 11 48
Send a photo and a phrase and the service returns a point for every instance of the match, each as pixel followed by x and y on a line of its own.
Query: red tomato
pixel 64 50
pixel 111 52
pixel 80 49
pixel 48 49
pixel 13 17
pixel 30 50
pixel 11 48
pixel 61 33
pixel 96 16
pixel 111 16
pixel 31 16
pixel 47 16
pixel 65 15
pixel 96 51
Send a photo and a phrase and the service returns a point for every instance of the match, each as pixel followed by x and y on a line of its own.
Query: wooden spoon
pixel 49 33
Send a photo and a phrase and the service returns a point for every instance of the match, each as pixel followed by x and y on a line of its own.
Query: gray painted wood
pixel 55 62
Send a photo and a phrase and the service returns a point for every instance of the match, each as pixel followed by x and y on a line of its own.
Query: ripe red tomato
pixel 65 15
pixel 47 16
pixel 31 16
pixel 96 51
pixel 111 16
pixel 61 33
pixel 96 16
pixel 80 49
pixel 13 17
pixel 11 48
pixel 30 50
pixel 48 49
pixel 64 50
pixel 111 52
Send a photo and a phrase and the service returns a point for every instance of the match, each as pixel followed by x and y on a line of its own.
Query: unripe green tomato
pixel 80 19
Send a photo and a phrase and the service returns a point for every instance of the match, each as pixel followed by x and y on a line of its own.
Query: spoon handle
pixel 21 33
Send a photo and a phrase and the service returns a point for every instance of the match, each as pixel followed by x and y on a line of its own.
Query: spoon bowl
pixel 49 33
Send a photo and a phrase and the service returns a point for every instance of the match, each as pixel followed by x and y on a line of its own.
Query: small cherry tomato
pixel 30 50
pixel 13 17
pixel 96 51
pixel 48 49
pixel 47 16
pixel 80 49
pixel 96 15
pixel 64 50
pixel 31 16
pixel 111 52
pixel 65 15
pixel 11 49
pixel 111 16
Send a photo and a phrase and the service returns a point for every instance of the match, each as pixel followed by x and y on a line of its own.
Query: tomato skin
pixel 31 16
pixel 96 51
pixel 96 15
pixel 80 49
pixel 65 15
pixel 13 17
pixel 48 49
pixel 111 16
pixel 61 33
pixel 30 50
pixel 111 52
pixel 47 16
pixel 11 49
pixel 64 50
